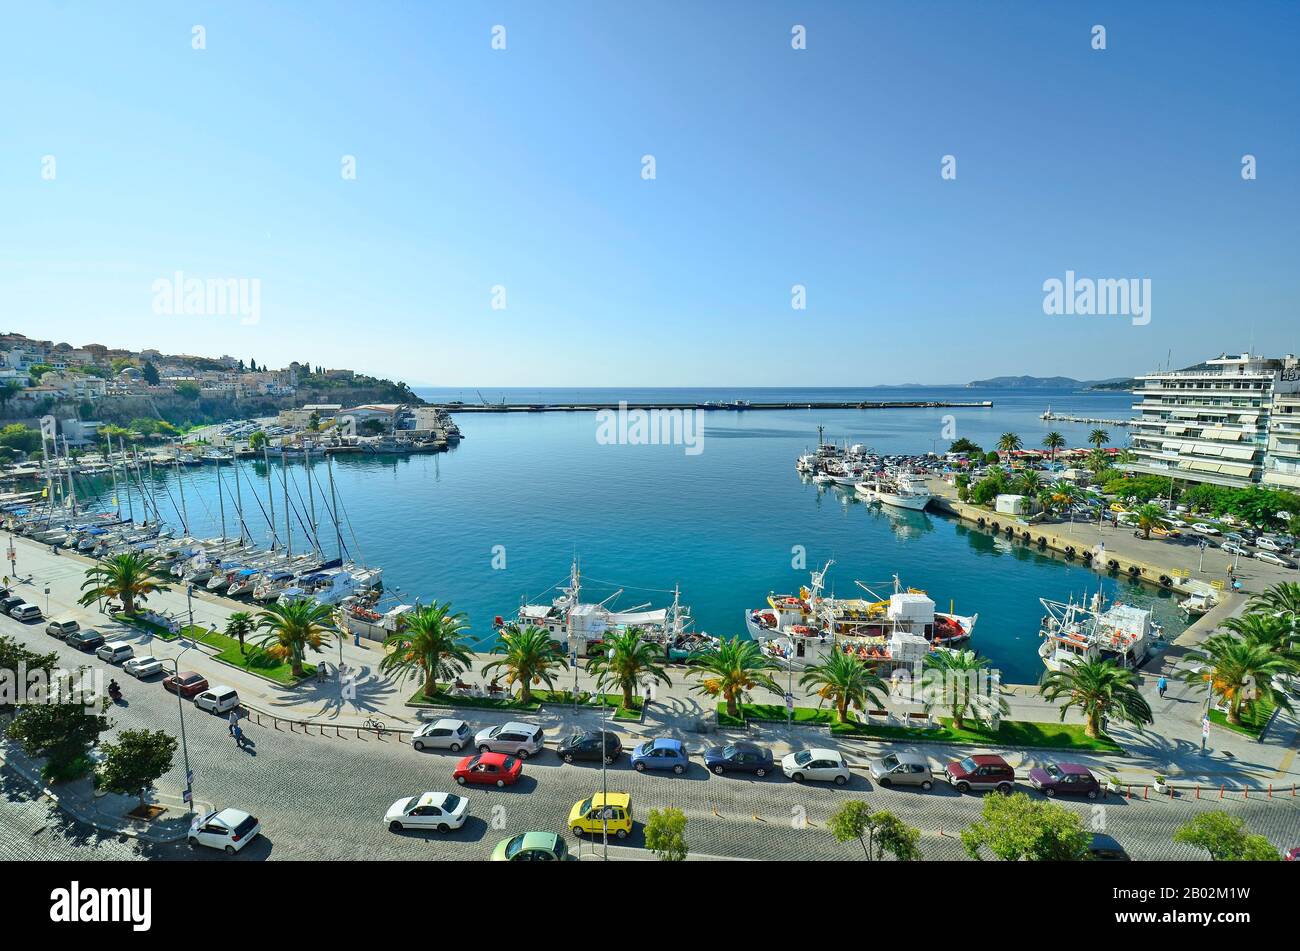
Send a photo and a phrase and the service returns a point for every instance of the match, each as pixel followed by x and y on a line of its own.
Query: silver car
pixel 902 769
pixel 442 735
pixel 514 739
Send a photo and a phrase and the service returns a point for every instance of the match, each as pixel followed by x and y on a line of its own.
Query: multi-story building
pixel 1211 422
pixel 1282 463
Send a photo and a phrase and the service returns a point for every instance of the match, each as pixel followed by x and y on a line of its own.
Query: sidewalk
pixel 1171 747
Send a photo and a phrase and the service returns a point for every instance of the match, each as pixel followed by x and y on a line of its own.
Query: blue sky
pixel 522 168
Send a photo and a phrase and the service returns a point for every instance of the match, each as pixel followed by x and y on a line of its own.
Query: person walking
pixel 238 734
pixel 1162 685
pixel 234 721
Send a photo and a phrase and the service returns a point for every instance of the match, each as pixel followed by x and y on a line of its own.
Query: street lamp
pixel 189 602
pixel 180 710
pixel 604 760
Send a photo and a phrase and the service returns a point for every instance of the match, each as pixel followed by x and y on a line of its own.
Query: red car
pixel 186 683
pixel 981 773
pixel 489 769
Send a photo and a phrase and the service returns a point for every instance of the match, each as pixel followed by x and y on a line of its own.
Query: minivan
pixel 1269 544
pixel 516 739
pixel 217 700
pixel 116 652
pixel 62 629
pixel 981 772
pixel 26 612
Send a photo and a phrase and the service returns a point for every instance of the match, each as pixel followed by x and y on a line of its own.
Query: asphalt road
pixel 324 798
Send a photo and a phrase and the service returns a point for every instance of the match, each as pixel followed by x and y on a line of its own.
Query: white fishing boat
pixel 1198 603
pixel 1082 633
pixel 903 490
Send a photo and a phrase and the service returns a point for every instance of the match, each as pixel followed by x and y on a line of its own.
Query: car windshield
pixel 1051 770
pixel 509 764
pixel 890 761
pixel 514 845
pixel 585 807
pixel 452 803
pixel 729 752
pixel 968 764
pixel 494 731
pixel 802 757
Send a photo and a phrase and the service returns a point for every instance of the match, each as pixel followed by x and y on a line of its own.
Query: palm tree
pixel 1029 483
pixel 428 642
pixel 293 628
pixel 1099 437
pixel 1008 443
pixel 1272 631
pixel 1283 600
pixel 845 681
pixel 1053 441
pixel 633 658
pixel 239 625
pixel 731 670
pixel 530 658
pixel 132 577
pixel 1065 494
pixel 1239 671
pixel 1149 516
pixel 1098 461
pixel 1100 689
pixel 952 681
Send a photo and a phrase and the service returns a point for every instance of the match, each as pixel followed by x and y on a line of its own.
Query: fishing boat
pixel 902 490
pixel 1198 603
pixel 1074 633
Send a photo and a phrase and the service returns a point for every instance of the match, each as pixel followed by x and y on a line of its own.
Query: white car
pixel 513 739
pixel 433 810
pixel 142 667
pixel 1269 544
pixel 818 765
pixel 1205 529
pixel 1269 558
pixel 1232 548
pixel 229 830
pixel 116 652
pixel 221 699
pixel 442 735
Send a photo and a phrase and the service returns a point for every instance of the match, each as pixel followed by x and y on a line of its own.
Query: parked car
pixel 739 758
pixel 217 700
pixel 1067 779
pixel 489 769
pixel 9 603
pixel 87 640
pixel 1237 538
pixel 1270 544
pixel 1271 559
pixel 1106 848
pixel 1205 529
pixel 229 830
pixel 142 667
pixel 1234 548
pixel 532 847
pixel 595 814
pixel 520 739
pixel 661 753
pixel 444 734
pixel 905 768
pixel 26 613
pixel 187 683
pixel 62 629
pixel 818 765
pixel 116 653
pixel 591 745
pixel 980 773
pixel 432 810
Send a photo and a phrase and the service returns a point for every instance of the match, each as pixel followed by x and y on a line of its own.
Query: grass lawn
pixel 775 713
pixel 441 698
pixel 157 630
pixel 1253 719
pixel 1016 733
pixel 255 660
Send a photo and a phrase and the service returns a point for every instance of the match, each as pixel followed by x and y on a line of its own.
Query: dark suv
pixel 589 746
pixel 981 773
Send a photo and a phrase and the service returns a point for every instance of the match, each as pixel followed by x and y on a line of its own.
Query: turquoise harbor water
pixel 722 524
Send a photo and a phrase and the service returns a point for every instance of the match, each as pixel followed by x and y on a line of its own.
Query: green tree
pixel 530 658
pixel 879 833
pixel 240 625
pixel 150 373
pixel 844 681
pixel 1016 828
pixel 952 681
pixel 1100 689
pixel 429 641
pixel 187 391
pixel 966 446
pixel 1029 483
pixel 257 440
pixel 1149 516
pixel 15 657
pixel 1098 462
pixel 20 438
pixel 633 660
pixel 1239 671
pixel 665 834
pixel 8 391
pixel 730 670
pixel 63 729
pixel 1052 442
pixel 1009 443
pixel 1273 632
pixel 129 577
pixel 1098 437
pixel 293 629
pixel 1226 839
pixel 136 761
pixel 1283 601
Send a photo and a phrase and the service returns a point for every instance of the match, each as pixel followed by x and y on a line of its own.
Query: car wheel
pixel 797 777
pixel 640 767
pixel 927 785
pixel 886 781
pixel 1004 789
pixel 963 787
pixel 679 769
pixel 577 830
pixel 841 780
pixel 443 827
pixel 501 784
pixel 230 850
pixel 568 757
pixel 621 833
pixel 1049 791
pixel 1092 794
pixel 760 773
pixel 485 748
pixel 461 780
pixel 455 747
pixel 718 770
pixel 419 745
pixel 194 843
pixel 610 760
pixel 394 826
pixel 522 754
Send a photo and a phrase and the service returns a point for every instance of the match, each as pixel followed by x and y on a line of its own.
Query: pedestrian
pixel 1162 685
pixel 238 735
pixel 234 721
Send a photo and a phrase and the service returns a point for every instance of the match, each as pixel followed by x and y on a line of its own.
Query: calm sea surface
pixel 723 524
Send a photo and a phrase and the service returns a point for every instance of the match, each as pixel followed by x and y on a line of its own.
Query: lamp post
pixel 180 711
pixel 604 761
pixel 189 603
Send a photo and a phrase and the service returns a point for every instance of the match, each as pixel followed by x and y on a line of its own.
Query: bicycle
pixel 373 724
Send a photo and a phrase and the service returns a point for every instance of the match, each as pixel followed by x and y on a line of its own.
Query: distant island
pixel 1051 383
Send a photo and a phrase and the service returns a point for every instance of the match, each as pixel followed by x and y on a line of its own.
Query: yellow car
pixel 593 814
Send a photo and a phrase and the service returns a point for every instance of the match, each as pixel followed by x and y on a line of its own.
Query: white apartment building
pixel 1282 463
pixel 1212 422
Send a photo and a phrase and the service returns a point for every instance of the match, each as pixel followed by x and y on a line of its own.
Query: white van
pixel 217 700
pixel 116 652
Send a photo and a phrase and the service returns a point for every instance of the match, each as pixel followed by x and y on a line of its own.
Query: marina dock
pixel 738 405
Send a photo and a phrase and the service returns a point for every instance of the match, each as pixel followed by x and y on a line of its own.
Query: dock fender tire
pixel 1166 581
pixel 1134 571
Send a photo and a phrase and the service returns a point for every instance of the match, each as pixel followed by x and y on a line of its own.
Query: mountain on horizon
pixel 1050 383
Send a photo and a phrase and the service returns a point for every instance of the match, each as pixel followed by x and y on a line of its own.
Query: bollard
pixel 1270 790
pixel 1130 793
pixel 1220 792
pixel 1198 791
pixel 1245 792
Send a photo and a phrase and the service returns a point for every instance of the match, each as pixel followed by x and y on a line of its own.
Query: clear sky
pixel 522 168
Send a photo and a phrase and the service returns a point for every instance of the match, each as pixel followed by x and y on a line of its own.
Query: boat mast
pixel 180 485
pixel 117 501
pixel 334 505
pixel 126 477
pixel 72 486
pixel 239 504
pixel 288 528
pixel 270 492
pixel 311 501
pixel 221 501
